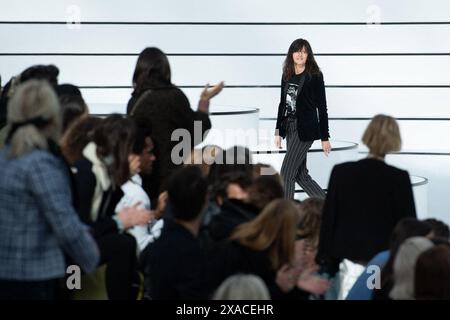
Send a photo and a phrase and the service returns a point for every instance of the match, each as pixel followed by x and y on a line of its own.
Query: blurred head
pixel 67 89
pixel 47 73
pixel 310 220
pixel 440 230
pixel 404 267
pixel 432 274
pixel 405 228
pixel 382 135
pixel 77 137
pixel 264 189
pixel 72 108
pixel 231 185
pixel 152 66
pixel 274 229
pixel 34 116
pixel 114 138
pixel 144 148
pixel 300 52
pixel 41 72
pixel 235 161
pixel 242 287
pixel 187 190
pixel 72 104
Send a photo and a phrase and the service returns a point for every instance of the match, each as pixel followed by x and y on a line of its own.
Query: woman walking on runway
pixel 302 117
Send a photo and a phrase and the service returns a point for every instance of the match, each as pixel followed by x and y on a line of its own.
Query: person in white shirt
pixel 141 161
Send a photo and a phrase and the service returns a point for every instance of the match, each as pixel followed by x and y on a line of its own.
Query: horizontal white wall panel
pixel 229 10
pixel 269 39
pixel 256 70
pixel 342 102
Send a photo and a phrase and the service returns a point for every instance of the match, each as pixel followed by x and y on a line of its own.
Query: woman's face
pixel 300 57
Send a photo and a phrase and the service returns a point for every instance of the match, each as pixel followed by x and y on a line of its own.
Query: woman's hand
pixel 326 146
pixel 278 142
pixel 162 203
pixel 208 94
pixel 134 216
pixel 310 282
pixel 287 277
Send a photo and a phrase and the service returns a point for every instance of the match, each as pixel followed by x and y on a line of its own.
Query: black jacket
pixel 312 116
pixel 232 258
pixel 365 200
pixel 163 110
pixel 232 213
pixel 85 186
pixel 174 265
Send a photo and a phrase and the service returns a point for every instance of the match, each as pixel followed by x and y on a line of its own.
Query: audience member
pixel 242 287
pixel 440 230
pixel 76 138
pixel 72 104
pixel 405 228
pixel 365 200
pixel 174 264
pixel 404 267
pixel 103 168
pixel 157 102
pixel 432 274
pixel 38 222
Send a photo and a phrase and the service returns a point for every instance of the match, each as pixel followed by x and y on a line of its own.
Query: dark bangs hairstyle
pixel 311 66
pixel 152 68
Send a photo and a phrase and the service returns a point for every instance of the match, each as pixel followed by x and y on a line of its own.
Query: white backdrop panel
pixel 342 102
pixel 50 38
pixel 256 70
pixel 230 10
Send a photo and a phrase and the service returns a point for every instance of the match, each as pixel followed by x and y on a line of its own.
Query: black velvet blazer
pixel 312 116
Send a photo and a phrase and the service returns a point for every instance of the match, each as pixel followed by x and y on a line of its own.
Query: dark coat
pixel 312 116
pixel 232 213
pixel 230 258
pixel 85 182
pixel 174 265
pixel 163 110
pixel 365 200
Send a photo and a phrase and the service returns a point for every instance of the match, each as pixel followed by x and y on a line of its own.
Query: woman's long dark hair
pixel 152 68
pixel 311 66
pixel 114 138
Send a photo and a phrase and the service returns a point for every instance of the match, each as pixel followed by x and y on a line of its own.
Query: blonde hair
pixel 242 287
pixel 33 100
pixel 274 230
pixel 382 135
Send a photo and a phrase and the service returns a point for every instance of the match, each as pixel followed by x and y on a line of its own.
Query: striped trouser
pixel 294 165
